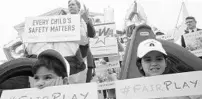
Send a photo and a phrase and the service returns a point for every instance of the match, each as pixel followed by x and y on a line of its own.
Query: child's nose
pixel 153 63
pixel 40 84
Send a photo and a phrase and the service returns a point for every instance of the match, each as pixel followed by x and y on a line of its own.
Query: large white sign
pixel 173 85
pixel 193 42
pixel 166 37
pixel 76 91
pixel 52 29
pixel 104 46
pixel 105 29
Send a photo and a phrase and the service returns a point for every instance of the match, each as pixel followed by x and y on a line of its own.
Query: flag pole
pixel 178 19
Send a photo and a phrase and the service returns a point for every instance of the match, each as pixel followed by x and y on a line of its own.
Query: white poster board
pixel 172 85
pixel 76 91
pixel 166 37
pixel 193 42
pixel 52 28
pixel 104 46
pixel 105 29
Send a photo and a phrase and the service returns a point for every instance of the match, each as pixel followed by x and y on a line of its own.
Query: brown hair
pixel 50 63
pixel 190 17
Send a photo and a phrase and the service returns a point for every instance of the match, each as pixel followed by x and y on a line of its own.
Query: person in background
pixel 74 7
pixel 50 69
pixel 191 27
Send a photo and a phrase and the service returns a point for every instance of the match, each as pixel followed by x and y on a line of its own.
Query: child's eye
pixel 159 59
pixel 48 77
pixel 147 60
pixel 36 77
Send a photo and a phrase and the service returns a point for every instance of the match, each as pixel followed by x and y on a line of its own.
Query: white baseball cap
pixel 149 45
pixel 56 54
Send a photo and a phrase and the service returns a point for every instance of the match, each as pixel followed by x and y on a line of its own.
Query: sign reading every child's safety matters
pixel 52 28
pixel 172 85
pixel 77 91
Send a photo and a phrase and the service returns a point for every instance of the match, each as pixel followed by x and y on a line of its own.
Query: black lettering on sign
pixel 40 22
pixel 74 96
pixel 186 84
pixel 167 83
pixel 58 21
pixel 56 95
pixel 69 20
pixel 62 28
pixel 136 88
pixel 159 87
pixel 105 32
pixel 37 29
pixel 145 89
pixel 84 95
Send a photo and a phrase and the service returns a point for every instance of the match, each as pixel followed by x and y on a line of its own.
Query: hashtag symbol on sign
pixel 125 90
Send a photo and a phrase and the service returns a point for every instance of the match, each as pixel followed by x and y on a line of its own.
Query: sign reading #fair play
pixel 172 85
pixel 77 91
pixel 52 28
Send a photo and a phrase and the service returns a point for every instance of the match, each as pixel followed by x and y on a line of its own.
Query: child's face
pixel 153 63
pixel 45 77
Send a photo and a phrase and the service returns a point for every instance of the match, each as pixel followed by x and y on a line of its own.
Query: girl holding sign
pixel 152 61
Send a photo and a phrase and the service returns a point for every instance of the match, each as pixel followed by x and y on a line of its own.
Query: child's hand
pixel 53 82
pixel 56 82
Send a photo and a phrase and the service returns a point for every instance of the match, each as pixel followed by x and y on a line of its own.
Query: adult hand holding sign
pixel 85 14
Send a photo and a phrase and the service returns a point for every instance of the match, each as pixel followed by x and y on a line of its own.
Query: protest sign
pixel 98 19
pixel 171 85
pixel 52 28
pixel 166 37
pixel 104 46
pixel 193 42
pixel 75 91
pixel 106 73
pixel 105 29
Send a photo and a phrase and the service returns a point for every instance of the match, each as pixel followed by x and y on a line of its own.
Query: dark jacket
pixel 85 51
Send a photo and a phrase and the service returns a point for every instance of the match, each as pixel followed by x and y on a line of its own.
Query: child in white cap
pixel 151 61
pixel 151 58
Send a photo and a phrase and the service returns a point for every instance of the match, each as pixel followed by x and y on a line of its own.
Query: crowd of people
pixel 65 63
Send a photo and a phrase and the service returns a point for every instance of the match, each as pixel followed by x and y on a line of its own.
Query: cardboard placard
pixel 193 42
pixel 104 46
pixel 52 29
pixel 76 91
pixel 171 85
